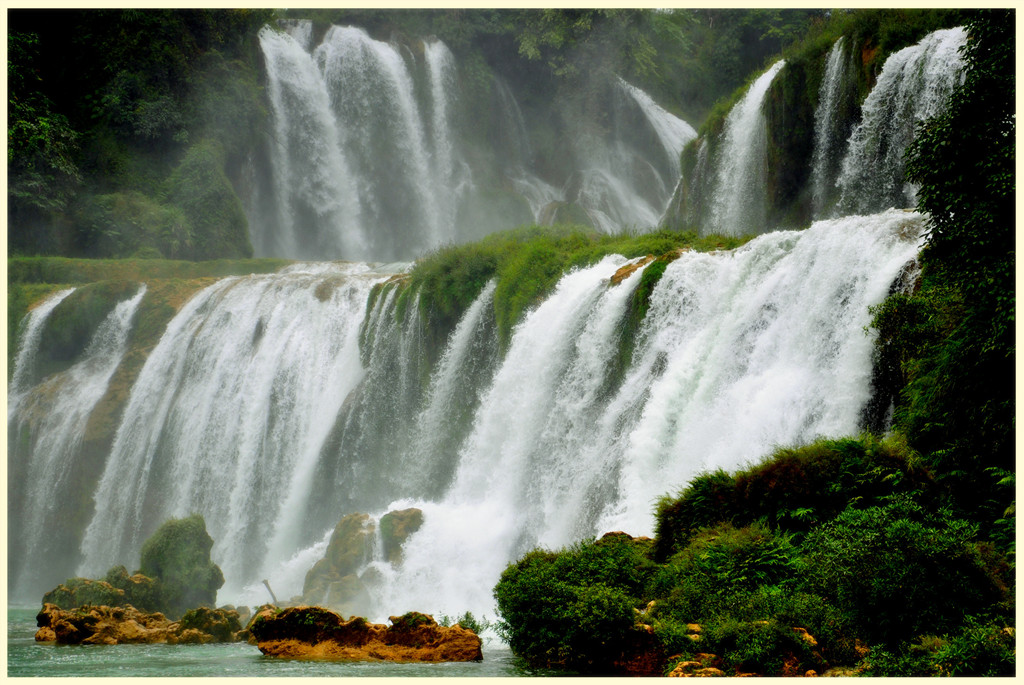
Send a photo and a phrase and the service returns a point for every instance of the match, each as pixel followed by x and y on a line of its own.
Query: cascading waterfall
pixel 228 415
pixel 368 160
pixel 259 410
pixel 740 352
pixel 673 132
pixel 626 179
pixel 384 134
pixel 358 168
pixel 914 85
pixel 316 202
pixel 46 425
pixel 829 131
pixel 24 363
pixel 738 201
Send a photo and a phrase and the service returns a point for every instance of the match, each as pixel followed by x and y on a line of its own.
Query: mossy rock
pixel 140 591
pixel 395 528
pixel 178 557
pixel 71 326
pixel 349 548
pixel 76 592
pixel 223 624
pixel 201 189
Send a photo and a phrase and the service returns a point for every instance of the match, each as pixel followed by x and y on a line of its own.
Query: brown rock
pixel 46 634
pixel 104 625
pixel 321 633
pixel 629 269
pixel 805 636
pixel 395 528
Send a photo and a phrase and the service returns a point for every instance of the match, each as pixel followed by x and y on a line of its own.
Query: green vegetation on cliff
pixel 527 263
pixel 104 105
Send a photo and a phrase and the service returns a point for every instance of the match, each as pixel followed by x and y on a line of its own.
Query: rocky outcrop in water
pixel 178 557
pixel 106 625
pixel 319 633
pixel 334 581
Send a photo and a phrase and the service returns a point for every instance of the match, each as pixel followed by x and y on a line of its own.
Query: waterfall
pixel 673 132
pixel 829 131
pixel 228 416
pixel 740 352
pixel 367 158
pixel 46 425
pixel 358 168
pixel 738 202
pixel 260 409
pixel 316 201
pixel 626 179
pixel 28 343
pixel 914 85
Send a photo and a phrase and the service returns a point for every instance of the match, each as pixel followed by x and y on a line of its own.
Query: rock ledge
pixel 315 632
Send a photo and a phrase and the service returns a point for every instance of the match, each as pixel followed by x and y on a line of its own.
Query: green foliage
pixel 467 621
pixel 898 570
pixel 574 607
pixel 131 224
pixel 793 488
pixel 980 649
pixel 177 555
pixel 105 100
pixel 958 403
pixel 42 173
pixel 205 195
pixel 704 578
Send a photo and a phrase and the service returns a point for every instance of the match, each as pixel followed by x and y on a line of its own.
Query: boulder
pixel 350 547
pixel 340 579
pixel 106 625
pixel 177 555
pixel 310 631
pixel 75 592
pixel 395 528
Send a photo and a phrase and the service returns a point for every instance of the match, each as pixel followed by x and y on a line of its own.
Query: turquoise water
pixel 26 657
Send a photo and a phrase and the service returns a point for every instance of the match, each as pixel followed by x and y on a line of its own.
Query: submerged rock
pixel 311 631
pixel 106 625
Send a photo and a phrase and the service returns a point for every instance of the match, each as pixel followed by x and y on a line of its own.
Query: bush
pixel 897 571
pixel 125 224
pixel 705 579
pixel 794 488
pixel 574 607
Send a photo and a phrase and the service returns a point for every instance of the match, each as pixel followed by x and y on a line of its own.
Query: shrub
pixel 795 488
pixel 573 607
pixel 706 578
pixel 896 570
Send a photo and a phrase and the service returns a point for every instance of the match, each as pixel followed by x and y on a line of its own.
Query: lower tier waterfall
pixel 274 405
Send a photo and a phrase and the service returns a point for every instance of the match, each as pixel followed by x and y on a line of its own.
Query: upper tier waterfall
pixel 372 153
